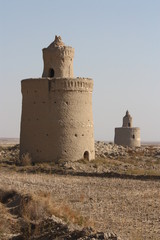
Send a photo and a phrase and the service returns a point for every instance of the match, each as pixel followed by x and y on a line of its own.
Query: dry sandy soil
pixel 128 207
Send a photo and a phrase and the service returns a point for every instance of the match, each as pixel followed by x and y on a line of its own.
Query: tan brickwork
pixel 57 119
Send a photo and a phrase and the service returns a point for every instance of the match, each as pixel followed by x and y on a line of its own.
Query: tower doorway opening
pixel 86 155
pixel 51 72
pixel 129 124
pixel 133 136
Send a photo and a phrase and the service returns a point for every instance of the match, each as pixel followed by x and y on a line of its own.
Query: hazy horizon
pixel 117 43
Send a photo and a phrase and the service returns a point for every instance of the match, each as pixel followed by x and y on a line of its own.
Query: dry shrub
pixel 33 211
pixel 36 208
pixel 42 205
pixel 26 159
pixel 67 214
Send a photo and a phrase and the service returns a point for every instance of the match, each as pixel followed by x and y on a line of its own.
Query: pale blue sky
pixel 117 43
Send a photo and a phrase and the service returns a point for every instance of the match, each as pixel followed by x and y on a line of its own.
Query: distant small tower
pixel 57 119
pixel 127 135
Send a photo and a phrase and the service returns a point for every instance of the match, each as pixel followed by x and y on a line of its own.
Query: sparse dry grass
pixel 8 224
pixel 33 209
pixel 129 208
pixel 136 163
pixel 129 166
pixel 3 221
pixel 26 160
pixel 43 205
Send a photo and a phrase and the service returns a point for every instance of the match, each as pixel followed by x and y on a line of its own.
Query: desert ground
pixel 118 193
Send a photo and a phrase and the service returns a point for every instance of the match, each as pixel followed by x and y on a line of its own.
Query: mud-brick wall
pixel 57 119
pixel 60 59
pixel 127 137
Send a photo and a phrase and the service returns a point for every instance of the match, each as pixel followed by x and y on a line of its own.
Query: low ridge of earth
pixel 115 196
pixel 111 161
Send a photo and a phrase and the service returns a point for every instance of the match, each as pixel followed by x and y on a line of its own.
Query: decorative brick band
pixel 71 84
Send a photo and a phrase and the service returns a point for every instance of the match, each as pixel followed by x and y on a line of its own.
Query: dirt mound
pixel 111 161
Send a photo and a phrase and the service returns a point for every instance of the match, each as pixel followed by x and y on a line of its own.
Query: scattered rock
pixel 104 150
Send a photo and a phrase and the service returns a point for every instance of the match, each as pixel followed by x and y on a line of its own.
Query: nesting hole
pixel 51 72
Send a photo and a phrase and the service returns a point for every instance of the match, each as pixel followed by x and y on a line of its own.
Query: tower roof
pixel 127 120
pixel 127 114
pixel 57 42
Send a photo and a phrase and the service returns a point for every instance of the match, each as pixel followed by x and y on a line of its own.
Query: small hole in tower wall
pixel 51 72
pixel 76 135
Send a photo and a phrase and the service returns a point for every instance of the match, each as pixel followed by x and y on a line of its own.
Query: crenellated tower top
pixel 58 60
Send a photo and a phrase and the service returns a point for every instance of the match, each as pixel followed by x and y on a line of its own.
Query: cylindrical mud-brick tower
pixel 57 119
pixel 127 135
